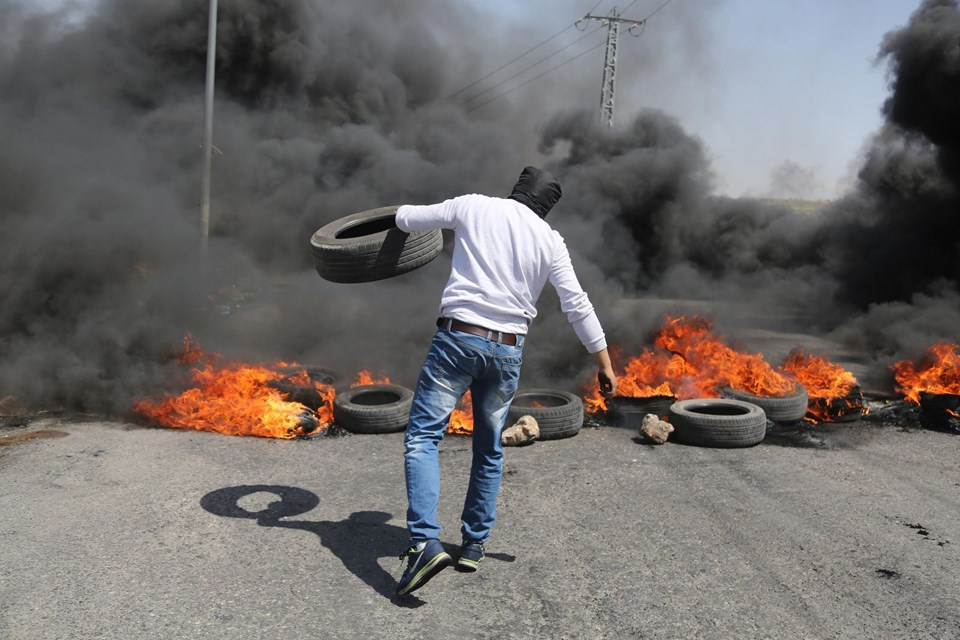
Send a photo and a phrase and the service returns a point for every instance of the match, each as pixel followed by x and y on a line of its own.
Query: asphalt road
pixel 120 531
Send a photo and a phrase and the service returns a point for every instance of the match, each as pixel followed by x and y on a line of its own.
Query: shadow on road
pixel 359 541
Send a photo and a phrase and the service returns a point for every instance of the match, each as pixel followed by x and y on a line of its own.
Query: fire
pixel 688 360
pixel 461 420
pixel 939 372
pixel 364 377
pixel 828 385
pixel 652 373
pixel 237 399
pixel 717 365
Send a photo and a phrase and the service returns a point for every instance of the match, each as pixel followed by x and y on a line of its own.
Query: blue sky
pixel 761 82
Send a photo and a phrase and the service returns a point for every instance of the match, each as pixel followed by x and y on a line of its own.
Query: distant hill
pixel 800 206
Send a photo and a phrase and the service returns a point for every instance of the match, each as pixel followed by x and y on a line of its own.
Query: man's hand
pixel 606 384
pixel 605 376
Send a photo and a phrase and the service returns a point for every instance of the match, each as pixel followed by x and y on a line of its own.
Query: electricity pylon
pixel 609 86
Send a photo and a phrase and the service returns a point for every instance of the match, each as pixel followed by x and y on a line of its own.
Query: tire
pixel 782 409
pixel 713 422
pixel 373 408
pixel 561 415
pixel 368 246
pixel 938 411
pixel 629 412
pixel 848 408
pixel 306 395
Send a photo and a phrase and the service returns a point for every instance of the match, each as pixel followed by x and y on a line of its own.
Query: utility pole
pixel 208 129
pixel 609 85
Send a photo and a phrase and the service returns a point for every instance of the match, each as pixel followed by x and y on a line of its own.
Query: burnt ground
pixel 121 531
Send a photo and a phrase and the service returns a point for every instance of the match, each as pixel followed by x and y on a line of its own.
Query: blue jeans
pixel 491 371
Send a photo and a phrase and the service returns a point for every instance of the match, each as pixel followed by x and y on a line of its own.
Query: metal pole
pixel 608 88
pixel 208 130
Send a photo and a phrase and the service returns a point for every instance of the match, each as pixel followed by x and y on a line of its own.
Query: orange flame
pixel 688 360
pixel 192 353
pixel 718 365
pixel 237 399
pixel 364 377
pixel 827 385
pixel 939 372
pixel 461 420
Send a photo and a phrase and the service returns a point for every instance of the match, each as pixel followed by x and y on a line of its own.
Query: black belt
pixel 510 339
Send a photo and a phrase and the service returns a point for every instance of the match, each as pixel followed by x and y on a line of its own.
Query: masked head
pixel 539 190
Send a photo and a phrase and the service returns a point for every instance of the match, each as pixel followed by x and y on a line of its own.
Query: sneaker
pixel 426 559
pixel 471 553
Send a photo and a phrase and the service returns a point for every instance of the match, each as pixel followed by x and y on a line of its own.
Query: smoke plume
pixel 322 112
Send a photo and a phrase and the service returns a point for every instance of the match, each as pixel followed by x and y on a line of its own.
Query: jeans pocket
pixel 448 368
pixel 509 381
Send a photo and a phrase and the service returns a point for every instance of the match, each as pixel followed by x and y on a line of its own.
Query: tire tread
pixel 563 421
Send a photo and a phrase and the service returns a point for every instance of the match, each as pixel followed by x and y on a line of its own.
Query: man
pixel 504 253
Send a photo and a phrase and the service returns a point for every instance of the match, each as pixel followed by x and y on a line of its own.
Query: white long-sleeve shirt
pixel 503 255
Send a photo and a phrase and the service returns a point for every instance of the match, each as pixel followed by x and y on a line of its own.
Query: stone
pixel 524 431
pixel 654 430
pixel 12 406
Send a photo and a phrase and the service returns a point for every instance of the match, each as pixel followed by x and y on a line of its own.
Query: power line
pixel 527 68
pixel 655 10
pixel 555 67
pixel 522 84
pixel 508 63
pixel 626 8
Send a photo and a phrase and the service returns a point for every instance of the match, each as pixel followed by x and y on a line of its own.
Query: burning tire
pixel 629 412
pixel 373 408
pixel 712 422
pixel 784 409
pixel 940 411
pixel 558 413
pixel 368 246
pixel 306 394
pixel 848 408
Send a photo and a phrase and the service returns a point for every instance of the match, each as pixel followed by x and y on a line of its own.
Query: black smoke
pixel 321 112
pixel 898 234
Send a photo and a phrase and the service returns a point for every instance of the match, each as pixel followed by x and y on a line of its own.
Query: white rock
pixel 654 430
pixel 524 431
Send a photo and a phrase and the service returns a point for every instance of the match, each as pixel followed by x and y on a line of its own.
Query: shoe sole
pixel 437 564
pixel 468 565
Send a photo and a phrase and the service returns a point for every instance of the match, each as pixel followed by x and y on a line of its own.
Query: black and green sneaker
pixel 426 559
pixel 471 553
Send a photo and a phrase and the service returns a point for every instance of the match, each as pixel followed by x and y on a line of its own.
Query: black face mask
pixel 537 189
